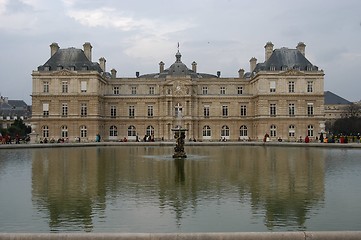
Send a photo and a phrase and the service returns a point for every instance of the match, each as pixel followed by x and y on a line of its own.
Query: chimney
pixel 102 63
pixel 54 47
pixel 88 50
pixel 268 50
pixel 241 73
pixel 161 67
pixel 301 47
pixel 137 74
pixel 218 73
pixel 253 63
pixel 194 66
pixel 114 73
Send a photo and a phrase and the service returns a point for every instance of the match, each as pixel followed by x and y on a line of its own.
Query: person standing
pixel 321 137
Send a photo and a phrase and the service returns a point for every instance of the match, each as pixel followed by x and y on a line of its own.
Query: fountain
pixel 179 135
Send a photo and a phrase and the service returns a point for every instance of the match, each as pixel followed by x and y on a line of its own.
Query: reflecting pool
pixel 215 189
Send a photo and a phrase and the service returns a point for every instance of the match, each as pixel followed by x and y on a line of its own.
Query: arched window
pixel 273 131
pixel 178 110
pixel 45 131
pixel 243 132
pixel 291 131
pixel 132 131
pixel 150 131
pixel 113 131
pixel 83 131
pixel 64 131
pixel 310 130
pixel 207 131
pixel 225 131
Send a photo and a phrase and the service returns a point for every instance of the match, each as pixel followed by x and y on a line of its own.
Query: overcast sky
pixel 220 35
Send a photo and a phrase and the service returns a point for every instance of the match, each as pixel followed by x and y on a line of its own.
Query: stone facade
pixel 76 98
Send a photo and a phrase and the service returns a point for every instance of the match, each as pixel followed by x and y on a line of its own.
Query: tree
pixel 18 128
pixel 347 126
pixel 353 110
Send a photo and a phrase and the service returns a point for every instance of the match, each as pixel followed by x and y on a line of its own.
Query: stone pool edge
pixel 169 143
pixel 307 235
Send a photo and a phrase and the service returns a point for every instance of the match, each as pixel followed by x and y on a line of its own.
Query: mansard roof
pixel 14 108
pixel 178 69
pixel 333 99
pixel 285 58
pixel 72 59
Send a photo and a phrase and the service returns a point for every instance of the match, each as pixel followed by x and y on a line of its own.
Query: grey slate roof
pixel 14 108
pixel 286 58
pixel 178 69
pixel 70 58
pixel 333 99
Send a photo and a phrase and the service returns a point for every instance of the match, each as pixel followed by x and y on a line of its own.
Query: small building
pixel 11 110
pixel 336 107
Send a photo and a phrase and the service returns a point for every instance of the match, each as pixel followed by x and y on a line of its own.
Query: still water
pixel 216 189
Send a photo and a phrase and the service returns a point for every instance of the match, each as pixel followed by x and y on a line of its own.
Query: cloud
pixel 104 17
pixel 108 17
pixel 21 15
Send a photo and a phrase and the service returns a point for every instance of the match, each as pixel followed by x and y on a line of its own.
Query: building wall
pixel 184 92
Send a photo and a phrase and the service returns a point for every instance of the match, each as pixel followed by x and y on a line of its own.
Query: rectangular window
pixel 113 111
pixel 116 90
pixel 223 90
pixel 291 131
pixel 291 109
pixel 310 109
pixel 206 111
pixel 272 109
pixel 45 131
pixel 291 86
pixel 204 90
pixel 133 90
pixel 273 131
pixel 83 86
pixel 64 87
pixel 151 90
pixel 131 111
pixel 150 110
pixel 243 110
pixel 45 109
pixel 240 90
pixel 83 110
pixel 225 111
pixel 272 86
pixel 309 86
pixel 64 110
pixel 45 86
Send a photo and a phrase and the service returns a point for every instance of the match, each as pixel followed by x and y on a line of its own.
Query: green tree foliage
pixel 18 128
pixel 347 126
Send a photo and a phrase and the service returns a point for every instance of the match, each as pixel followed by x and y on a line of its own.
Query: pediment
pixel 292 72
pixel 63 72
pixel 180 87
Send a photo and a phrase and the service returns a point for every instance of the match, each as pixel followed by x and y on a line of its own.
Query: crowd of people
pixel 7 139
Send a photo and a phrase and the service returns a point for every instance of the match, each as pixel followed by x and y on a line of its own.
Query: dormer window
pixel 284 68
pixel 309 68
pixel 72 68
pixel 84 68
pixel 272 68
pixel 59 67
pixel 46 68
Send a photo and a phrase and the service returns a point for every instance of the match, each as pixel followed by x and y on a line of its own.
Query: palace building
pixel 76 98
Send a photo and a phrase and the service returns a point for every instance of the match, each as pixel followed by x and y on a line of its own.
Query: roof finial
pixel 178 55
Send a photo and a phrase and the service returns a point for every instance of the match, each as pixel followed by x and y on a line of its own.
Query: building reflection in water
pixel 280 184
